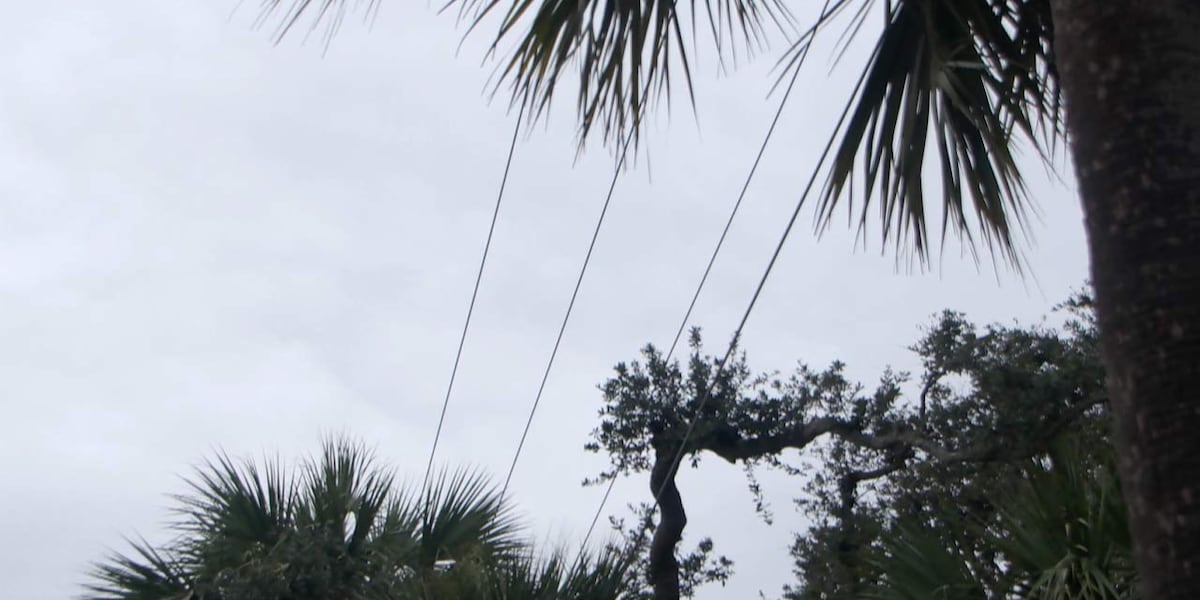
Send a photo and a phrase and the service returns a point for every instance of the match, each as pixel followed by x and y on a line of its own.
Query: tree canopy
pixel 340 527
pixel 975 78
pixel 989 399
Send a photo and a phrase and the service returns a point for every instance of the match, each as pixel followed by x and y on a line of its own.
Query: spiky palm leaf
pixel 920 566
pixel 604 575
pixel 530 576
pixel 147 575
pixel 337 528
pixel 465 517
pixel 621 53
pixel 969 77
pixel 235 509
pixel 1066 534
pixel 1062 535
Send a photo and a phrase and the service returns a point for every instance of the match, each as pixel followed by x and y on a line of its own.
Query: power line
pixel 612 186
pixel 678 458
pixel 712 259
pixel 762 282
pixel 707 392
pixel 474 295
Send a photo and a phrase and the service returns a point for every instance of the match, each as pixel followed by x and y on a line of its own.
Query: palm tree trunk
pixel 1131 76
pixel 664 567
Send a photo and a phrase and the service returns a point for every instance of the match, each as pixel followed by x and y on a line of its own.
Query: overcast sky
pixel 207 241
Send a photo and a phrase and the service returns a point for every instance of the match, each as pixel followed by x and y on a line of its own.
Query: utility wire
pixel 707 393
pixel 678 458
pixel 716 251
pixel 687 315
pixel 762 282
pixel 612 186
pixel 462 340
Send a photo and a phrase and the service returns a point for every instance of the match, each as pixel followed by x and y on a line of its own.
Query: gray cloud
pixel 211 242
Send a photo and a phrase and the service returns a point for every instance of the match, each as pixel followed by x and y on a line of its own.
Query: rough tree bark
pixel 664 568
pixel 1131 77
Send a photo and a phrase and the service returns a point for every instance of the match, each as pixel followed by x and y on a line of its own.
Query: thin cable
pixel 733 214
pixel 612 186
pixel 711 261
pixel 462 340
pixel 675 462
pixel 678 458
pixel 717 249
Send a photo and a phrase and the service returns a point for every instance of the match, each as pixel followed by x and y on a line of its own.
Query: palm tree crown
pixel 339 527
pixel 969 78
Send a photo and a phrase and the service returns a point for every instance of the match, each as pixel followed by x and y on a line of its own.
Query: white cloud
pixel 211 242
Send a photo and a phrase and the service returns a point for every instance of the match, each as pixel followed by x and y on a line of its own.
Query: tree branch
pixel 735 448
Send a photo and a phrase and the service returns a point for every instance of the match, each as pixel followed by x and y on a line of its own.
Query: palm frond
pixel 344 491
pixel 149 575
pixel 337 528
pixel 464 515
pixel 966 80
pixel 977 77
pixel 622 55
pixel 1063 534
pixel 529 576
pixel 918 566
pixel 324 17
pixel 234 509
pixel 603 576
pixel 1066 533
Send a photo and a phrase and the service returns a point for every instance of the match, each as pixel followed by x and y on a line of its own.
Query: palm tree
pixel 971 78
pixel 340 528
pixel 1062 534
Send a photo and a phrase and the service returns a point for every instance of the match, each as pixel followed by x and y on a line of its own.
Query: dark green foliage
pixel 1059 532
pixel 697 567
pixel 934 450
pixel 340 528
pixel 970 78
pixel 1004 394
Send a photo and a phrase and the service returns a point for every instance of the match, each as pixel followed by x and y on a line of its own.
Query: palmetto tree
pixel 340 528
pixel 952 87
pixel 1062 535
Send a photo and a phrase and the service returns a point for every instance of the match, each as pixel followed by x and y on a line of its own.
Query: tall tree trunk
pixel 1131 76
pixel 664 568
